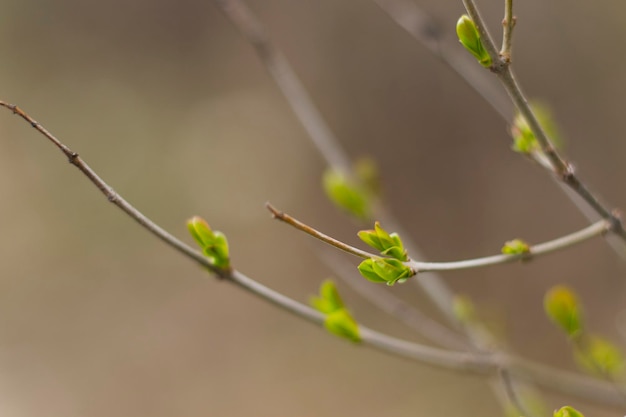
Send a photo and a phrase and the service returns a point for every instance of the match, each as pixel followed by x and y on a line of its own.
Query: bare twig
pixel 508 24
pixel 284 217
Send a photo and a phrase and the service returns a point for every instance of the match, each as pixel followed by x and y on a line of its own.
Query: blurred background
pixel 170 105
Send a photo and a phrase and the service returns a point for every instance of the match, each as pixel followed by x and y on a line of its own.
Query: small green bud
pixel 213 243
pixel 328 300
pixel 468 34
pixel 563 308
pixel 388 244
pixel 599 356
pixel 342 324
pixel 366 170
pixel 385 270
pixel 338 319
pixel 515 247
pixel 568 411
pixel 524 140
pixel 463 309
pixel 346 195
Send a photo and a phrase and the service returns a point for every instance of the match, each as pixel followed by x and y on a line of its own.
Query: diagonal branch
pixel 459 361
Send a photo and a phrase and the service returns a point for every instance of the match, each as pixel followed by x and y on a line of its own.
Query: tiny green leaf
pixel 463 309
pixel 568 411
pixel 524 140
pixel 599 356
pixel 388 244
pixel 342 324
pixel 213 243
pixel 366 170
pixel 469 36
pixel 515 247
pixel 366 268
pixel 329 299
pixel 346 195
pixel 385 270
pixel 338 319
pixel 563 308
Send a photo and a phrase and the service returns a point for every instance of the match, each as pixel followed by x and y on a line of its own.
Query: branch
pixel 508 24
pixel 596 229
pixel 284 217
pixel 423 28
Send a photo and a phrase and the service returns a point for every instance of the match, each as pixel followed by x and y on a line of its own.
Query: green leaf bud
pixel 524 140
pixel 366 268
pixel 515 247
pixel 213 243
pixel 329 299
pixel 600 357
pixel 563 308
pixel 346 195
pixel 342 324
pixel 388 244
pixel 338 319
pixel 568 411
pixel 366 170
pixel 463 309
pixel 385 270
pixel 469 36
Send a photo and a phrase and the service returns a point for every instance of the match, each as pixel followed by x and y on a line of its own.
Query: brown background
pixel 171 106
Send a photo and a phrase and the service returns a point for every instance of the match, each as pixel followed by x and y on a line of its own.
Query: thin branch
pixel 284 217
pixel 112 196
pixel 288 82
pixel 508 24
pixel 510 390
pixel 425 29
pixel 598 228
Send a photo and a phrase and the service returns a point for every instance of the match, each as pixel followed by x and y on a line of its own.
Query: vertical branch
pixel 423 28
pixel 508 23
pixel 326 143
pixel 288 82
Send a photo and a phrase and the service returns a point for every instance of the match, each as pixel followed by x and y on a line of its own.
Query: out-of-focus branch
pixel 433 286
pixel 425 29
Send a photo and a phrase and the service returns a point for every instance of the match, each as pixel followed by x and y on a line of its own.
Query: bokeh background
pixel 168 102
